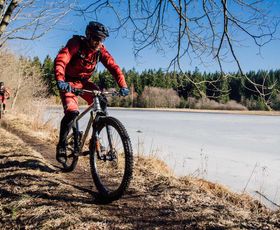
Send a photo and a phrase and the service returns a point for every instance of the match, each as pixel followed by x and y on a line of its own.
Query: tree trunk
pixel 5 20
pixel 1 7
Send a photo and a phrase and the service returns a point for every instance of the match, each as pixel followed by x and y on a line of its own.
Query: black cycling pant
pixel 65 126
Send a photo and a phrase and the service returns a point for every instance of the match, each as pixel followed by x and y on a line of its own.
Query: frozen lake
pixel 238 151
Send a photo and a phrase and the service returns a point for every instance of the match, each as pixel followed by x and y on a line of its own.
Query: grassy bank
pixel 35 194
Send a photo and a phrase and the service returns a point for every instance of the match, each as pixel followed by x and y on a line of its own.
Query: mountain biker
pixel 74 65
pixel 4 94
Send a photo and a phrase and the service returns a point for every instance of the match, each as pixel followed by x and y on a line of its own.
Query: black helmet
pixel 1 83
pixel 96 29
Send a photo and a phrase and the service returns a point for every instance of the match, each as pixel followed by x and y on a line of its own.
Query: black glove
pixel 124 91
pixel 64 86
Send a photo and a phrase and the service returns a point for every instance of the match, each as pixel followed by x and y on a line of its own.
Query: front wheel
pixel 111 158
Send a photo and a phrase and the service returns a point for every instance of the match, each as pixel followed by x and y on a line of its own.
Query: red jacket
pixel 77 60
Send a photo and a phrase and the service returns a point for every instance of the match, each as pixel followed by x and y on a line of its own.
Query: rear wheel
pixel 71 155
pixel 111 158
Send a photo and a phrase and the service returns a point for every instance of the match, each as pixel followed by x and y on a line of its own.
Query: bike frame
pixel 94 109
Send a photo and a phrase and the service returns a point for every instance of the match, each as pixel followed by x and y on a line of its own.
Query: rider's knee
pixel 70 115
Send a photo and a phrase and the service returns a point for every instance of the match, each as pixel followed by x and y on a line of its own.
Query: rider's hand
pixel 64 86
pixel 124 91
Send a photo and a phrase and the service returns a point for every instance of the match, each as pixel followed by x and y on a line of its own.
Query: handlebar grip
pixel 77 91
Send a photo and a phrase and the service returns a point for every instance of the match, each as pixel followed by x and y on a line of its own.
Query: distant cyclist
pixel 74 65
pixel 4 94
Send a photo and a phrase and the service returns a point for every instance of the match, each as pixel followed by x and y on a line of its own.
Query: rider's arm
pixel 64 56
pixel 108 61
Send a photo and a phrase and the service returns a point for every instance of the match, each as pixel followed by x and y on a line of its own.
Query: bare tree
pixel 6 14
pixel 30 19
pixel 196 28
pixel 153 97
pixel 205 30
pixel 24 80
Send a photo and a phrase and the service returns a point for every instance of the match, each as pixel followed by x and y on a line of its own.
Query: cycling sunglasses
pixel 98 39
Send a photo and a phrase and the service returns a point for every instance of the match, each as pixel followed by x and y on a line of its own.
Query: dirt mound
pixel 35 194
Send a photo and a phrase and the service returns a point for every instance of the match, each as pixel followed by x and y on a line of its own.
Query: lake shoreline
pixel 239 112
pixel 247 112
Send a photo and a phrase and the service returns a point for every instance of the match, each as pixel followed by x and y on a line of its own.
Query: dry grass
pixel 36 195
pixel 32 125
pixel 206 103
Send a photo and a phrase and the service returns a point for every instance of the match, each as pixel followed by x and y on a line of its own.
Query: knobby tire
pixel 106 194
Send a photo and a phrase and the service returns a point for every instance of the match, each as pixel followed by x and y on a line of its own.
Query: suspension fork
pixel 95 121
pixel 98 144
pixel 109 136
pixel 97 101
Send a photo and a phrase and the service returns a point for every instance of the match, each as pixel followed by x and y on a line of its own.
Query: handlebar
pixel 94 92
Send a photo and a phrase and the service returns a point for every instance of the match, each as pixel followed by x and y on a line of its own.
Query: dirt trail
pixel 35 194
pixel 81 176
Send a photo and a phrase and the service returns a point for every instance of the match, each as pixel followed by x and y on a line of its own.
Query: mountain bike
pixel 109 148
